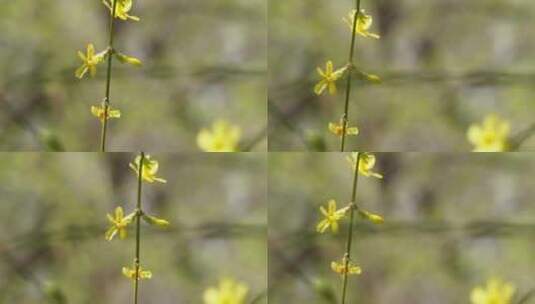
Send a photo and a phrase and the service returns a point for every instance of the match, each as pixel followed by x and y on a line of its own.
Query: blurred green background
pixel 203 61
pixel 452 221
pixel 444 65
pixel 53 217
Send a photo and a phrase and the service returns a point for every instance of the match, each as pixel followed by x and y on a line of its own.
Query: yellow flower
pixel 149 170
pixel 98 111
pixel 121 10
pixel 228 292
pixel 89 61
pixel 496 292
pixel 364 22
pixel 338 128
pixel 223 137
pixel 131 273
pixel 342 269
pixel 491 136
pixel 332 216
pixel 329 78
pixel 119 224
pixel 366 164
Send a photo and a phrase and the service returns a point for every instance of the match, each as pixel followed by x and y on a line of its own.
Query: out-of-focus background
pixel 444 63
pixel 53 217
pixel 452 222
pixel 203 61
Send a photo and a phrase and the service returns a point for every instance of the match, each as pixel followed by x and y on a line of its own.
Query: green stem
pixel 108 80
pixel 345 118
pixel 139 212
pixel 353 205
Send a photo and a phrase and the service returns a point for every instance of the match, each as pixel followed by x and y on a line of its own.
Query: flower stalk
pixel 361 163
pixel 145 169
pixel 345 116
pixel 90 60
pixel 352 205
pixel 139 213
pixel 359 23
pixel 108 79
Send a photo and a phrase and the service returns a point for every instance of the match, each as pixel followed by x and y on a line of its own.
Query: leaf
pixel 152 220
pixel 370 77
pixel 374 218
pixel 127 59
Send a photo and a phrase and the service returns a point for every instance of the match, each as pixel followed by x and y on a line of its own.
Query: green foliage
pixel 52 224
pixel 205 60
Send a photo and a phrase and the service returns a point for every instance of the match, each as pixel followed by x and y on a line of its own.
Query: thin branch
pixel 521 137
pixel 139 212
pixel 527 297
pixel 249 145
pixel 345 117
pixel 347 255
pixel 108 79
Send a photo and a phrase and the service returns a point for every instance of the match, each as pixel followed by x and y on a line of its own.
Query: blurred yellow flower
pixel 89 61
pixel 223 137
pixel 149 170
pixel 491 136
pixel 342 269
pixel 119 223
pixel 338 128
pixel 495 292
pixel 364 22
pixel 131 273
pixel 366 164
pixel 121 10
pixel 332 216
pixel 228 292
pixel 98 111
pixel 328 78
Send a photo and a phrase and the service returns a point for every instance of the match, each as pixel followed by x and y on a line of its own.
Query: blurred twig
pixel 527 297
pixel 21 269
pixel 292 266
pixel 47 140
pixel 24 266
pixel 311 142
pixel 474 229
pixel 212 73
pixel 521 137
pixel 248 146
pixel 76 233
pixel 399 78
pixel 282 117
